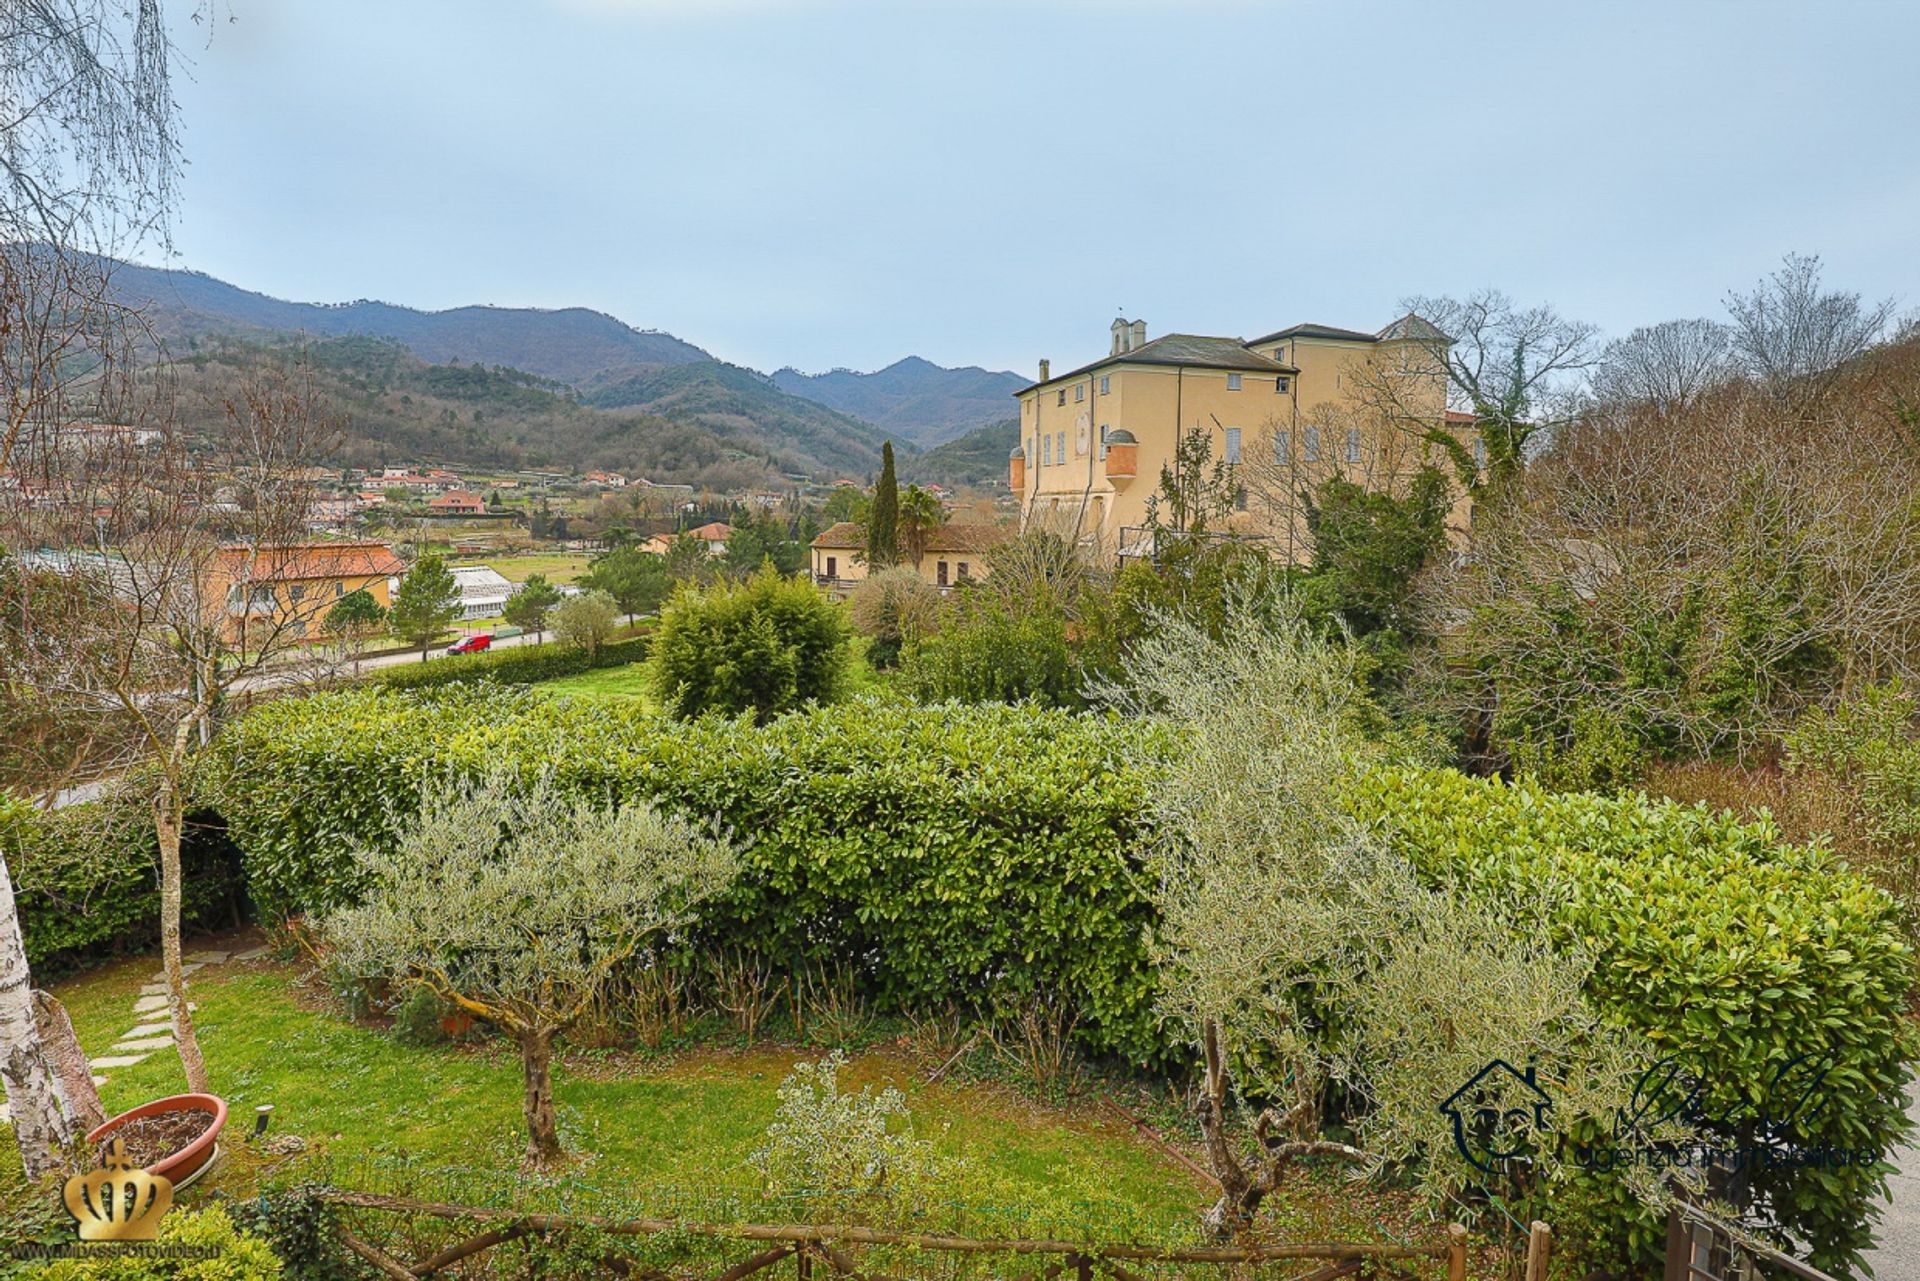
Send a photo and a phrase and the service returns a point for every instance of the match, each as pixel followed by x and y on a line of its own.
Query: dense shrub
pixel 991 651
pixel 949 854
pixel 1720 943
pixel 231 1254
pixel 87 880
pixel 895 607
pixel 1865 754
pixel 521 665
pixel 763 646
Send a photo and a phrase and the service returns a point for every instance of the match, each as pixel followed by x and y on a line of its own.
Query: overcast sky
pixel 837 182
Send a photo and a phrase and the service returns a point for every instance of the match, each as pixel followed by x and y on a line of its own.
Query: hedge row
pixel 520 665
pixel 86 880
pixel 969 853
pixel 959 854
pixel 1720 943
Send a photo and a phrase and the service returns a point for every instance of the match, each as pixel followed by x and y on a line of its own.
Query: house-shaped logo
pixel 1495 1114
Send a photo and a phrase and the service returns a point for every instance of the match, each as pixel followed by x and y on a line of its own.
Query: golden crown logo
pixel 119 1201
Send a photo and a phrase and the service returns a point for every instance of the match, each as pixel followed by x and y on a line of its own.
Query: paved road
pixel 94 790
pixel 1897 1257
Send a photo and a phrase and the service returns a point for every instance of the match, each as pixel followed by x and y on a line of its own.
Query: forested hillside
pixel 742 407
pixel 977 458
pixel 398 408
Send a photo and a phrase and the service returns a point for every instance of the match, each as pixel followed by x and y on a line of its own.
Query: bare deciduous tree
pixel 167 581
pixel 1795 340
pixel 1669 365
pixel 1516 370
pixel 1691 580
pixel 42 1126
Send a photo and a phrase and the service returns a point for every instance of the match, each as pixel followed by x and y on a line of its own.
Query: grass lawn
pixel 350 1089
pixel 665 1122
pixel 631 681
pixel 559 567
pixel 627 682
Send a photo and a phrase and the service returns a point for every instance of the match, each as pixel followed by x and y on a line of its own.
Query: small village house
pixel 714 534
pixel 458 502
pixel 955 553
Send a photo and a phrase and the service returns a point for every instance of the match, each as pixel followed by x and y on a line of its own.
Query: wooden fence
pixel 835 1249
pixel 1703 1248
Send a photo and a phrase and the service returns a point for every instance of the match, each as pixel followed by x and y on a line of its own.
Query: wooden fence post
pixel 1539 1246
pixel 1456 1252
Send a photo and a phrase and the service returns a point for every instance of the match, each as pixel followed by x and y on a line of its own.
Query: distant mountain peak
pixel 913 397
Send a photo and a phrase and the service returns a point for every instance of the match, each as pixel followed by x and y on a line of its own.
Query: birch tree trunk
pixel 79 1098
pixel 42 1129
pixel 169 819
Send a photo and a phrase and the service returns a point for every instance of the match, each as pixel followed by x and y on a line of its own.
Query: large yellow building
pixel 286 591
pixel 1284 412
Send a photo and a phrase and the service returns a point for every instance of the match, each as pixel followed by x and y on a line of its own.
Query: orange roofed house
pixel 458 502
pixel 289 589
pixel 954 553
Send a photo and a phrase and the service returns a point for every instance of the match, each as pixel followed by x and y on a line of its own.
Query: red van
pixel 472 644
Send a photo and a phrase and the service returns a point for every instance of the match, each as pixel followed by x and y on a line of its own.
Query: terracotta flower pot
pixel 189 1162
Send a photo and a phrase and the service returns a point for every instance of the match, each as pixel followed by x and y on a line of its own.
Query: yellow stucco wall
pixel 850 568
pixel 1338 390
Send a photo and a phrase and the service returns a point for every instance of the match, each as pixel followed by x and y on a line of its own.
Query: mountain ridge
pixel 927 403
pixel 836 420
pixel 570 344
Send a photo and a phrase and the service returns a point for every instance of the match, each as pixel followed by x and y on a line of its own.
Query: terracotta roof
pixel 1457 419
pixel 850 535
pixel 713 531
pixel 295 561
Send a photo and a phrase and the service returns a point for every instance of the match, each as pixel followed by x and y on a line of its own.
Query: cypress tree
pixel 883 521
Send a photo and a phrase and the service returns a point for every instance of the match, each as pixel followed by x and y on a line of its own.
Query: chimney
pixel 1046 368
pixel 1138 337
pixel 1121 336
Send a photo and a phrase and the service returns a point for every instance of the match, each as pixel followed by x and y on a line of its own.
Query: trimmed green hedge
pixel 520 665
pixel 947 854
pixel 86 881
pixel 963 853
pixel 1722 944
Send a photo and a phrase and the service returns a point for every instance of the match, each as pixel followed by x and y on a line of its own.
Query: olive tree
pixel 517 903
pixel 1282 917
pixel 586 621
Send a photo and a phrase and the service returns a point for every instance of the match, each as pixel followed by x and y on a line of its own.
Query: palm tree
pixel 920 514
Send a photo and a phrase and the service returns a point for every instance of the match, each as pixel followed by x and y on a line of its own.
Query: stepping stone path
pixel 155 1028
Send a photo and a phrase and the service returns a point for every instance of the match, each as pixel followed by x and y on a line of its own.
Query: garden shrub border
pixel 86 880
pixel 521 665
pixel 853 816
pixel 940 849
pixel 1784 952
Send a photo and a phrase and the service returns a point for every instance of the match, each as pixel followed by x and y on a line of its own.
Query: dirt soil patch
pixel 152 1139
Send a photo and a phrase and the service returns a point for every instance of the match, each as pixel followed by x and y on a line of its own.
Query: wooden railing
pixel 1703 1248
pixel 837 1248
